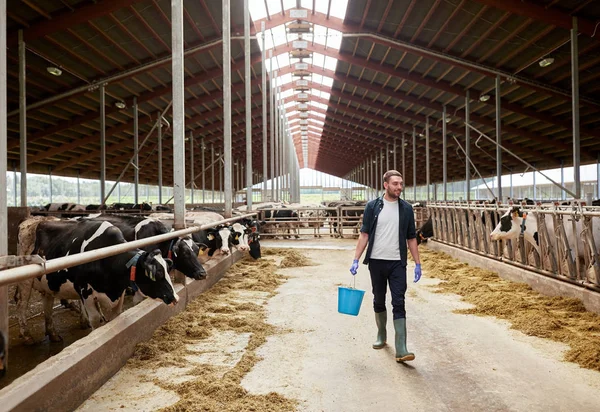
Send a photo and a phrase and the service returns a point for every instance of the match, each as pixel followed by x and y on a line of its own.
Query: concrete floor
pixel 325 361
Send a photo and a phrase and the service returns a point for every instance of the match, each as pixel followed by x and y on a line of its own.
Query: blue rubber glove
pixel 417 272
pixel 354 267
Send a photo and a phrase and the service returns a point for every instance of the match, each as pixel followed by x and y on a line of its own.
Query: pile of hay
pixel 291 258
pixel 218 309
pixel 560 319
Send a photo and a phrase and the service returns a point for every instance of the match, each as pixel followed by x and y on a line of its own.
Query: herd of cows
pixel 100 286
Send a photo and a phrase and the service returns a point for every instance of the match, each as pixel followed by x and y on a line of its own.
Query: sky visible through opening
pixel 321 35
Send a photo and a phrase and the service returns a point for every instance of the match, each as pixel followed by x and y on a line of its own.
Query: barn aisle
pixel 320 360
pixel 463 362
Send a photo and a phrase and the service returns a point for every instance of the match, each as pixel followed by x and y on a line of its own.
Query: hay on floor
pixel 560 319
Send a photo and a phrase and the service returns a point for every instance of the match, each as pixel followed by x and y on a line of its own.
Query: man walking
pixel 388 226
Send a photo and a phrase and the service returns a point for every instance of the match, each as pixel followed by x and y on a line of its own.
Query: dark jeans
pixel 394 272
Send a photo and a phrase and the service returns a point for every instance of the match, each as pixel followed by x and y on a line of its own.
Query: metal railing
pixel 468 226
pixel 21 273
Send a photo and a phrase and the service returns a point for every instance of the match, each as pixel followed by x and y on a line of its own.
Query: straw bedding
pixel 217 310
pixel 560 319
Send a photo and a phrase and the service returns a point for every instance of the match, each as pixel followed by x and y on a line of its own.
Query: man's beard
pixel 392 195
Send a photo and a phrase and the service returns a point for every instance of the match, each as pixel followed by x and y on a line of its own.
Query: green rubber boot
pixel 402 354
pixel 380 320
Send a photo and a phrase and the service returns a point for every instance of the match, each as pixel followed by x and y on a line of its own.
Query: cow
pixel 183 251
pixel 425 231
pixel 209 240
pixel 281 218
pixel 67 209
pixel 99 285
pixel 515 222
pixel 353 214
pixel 253 230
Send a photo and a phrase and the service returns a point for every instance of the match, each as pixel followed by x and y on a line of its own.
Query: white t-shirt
pixel 386 243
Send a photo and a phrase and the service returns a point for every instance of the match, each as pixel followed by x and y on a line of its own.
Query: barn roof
pixel 399 62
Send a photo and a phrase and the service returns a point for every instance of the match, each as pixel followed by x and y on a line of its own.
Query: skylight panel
pixel 317 78
pixel 317 114
pixel 338 8
pixel 318 59
pixel 319 105
pixel 274 6
pixel 334 39
pixel 330 63
pixel 285 79
pixel 257 10
pixel 287 93
pixel 289 104
pixel 320 34
pixel 289 4
pixel 321 6
pixel 327 81
pixel 307 4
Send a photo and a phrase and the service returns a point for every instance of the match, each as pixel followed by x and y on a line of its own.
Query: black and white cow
pixel 253 226
pixel 515 222
pixel 425 231
pixel 282 217
pixel 183 251
pixel 99 285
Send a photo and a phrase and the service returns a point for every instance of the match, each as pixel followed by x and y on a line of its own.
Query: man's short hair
pixel 390 173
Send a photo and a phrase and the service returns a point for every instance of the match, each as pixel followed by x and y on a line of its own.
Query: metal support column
pixel 387 156
pixel 160 159
pixel 264 114
pixel 598 177
pixel 192 180
pixel 14 165
pixel 3 166
pixel 49 180
pixel 179 112
pixel 534 187
pixel 498 139
pixel 102 144
pixel 277 133
pixel 467 147
pixel 395 152
pixel 427 165
pixel 212 171
pixel 444 155
pixel 79 187
pixel 273 115
pixel 575 109
pixel 23 118
pixel 203 151
pixel 227 105
pixel 563 195
pixel 247 80
pixel 414 150
pixel 136 154
pixel 403 163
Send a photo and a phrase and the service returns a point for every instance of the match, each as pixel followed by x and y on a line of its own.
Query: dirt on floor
pixel 218 311
pixel 560 319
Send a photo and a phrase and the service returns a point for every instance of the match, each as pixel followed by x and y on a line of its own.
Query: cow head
pixel 425 231
pixel 509 226
pixel 185 258
pixel 253 243
pixel 153 278
pixel 239 236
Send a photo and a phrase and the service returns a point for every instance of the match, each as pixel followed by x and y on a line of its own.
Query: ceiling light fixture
pixel 55 71
pixel 120 105
pixel 484 97
pixel 547 61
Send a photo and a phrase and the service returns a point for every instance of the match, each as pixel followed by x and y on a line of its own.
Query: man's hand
pixel 417 272
pixel 354 267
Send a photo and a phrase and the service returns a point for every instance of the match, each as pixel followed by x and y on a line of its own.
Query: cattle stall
pixel 469 226
pixel 22 267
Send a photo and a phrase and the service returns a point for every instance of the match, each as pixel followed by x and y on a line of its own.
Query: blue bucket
pixel 349 300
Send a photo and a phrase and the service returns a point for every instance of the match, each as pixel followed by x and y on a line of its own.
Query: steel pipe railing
pixel 21 273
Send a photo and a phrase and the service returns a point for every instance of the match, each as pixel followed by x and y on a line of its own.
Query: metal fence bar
pixel 22 273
